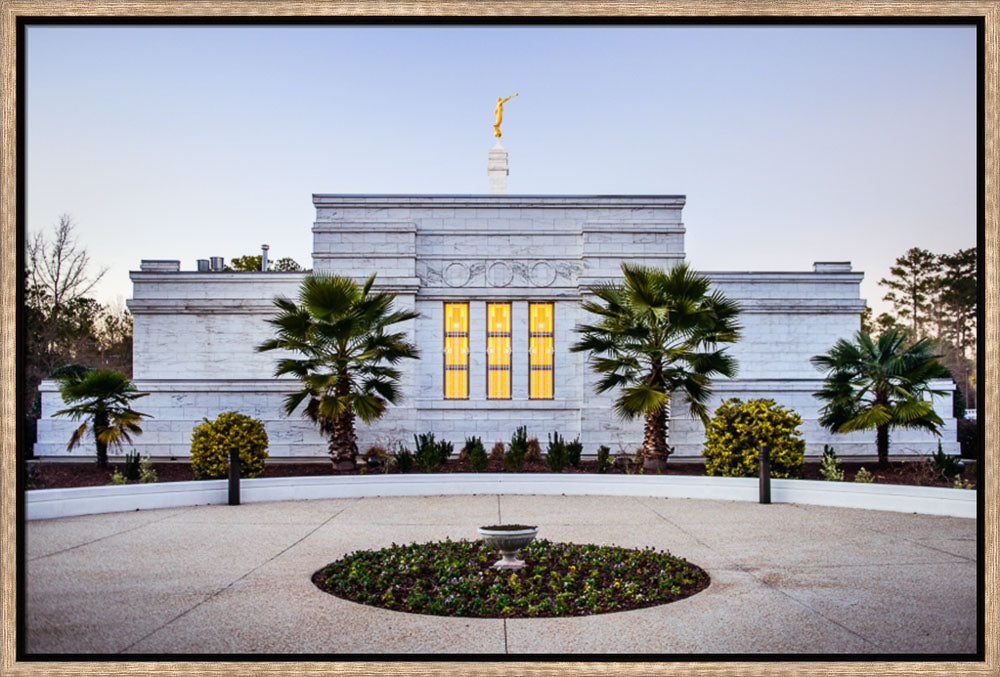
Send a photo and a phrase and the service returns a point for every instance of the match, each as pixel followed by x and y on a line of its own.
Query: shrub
pixel 117 477
pixel 968 437
pixel 211 440
pixel 863 476
pixel 556 455
pixel 404 460
pixel 534 453
pixel 146 472
pixel 513 460
pixel 603 459
pixel 947 466
pixel 497 453
pixel 829 467
pixel 476 453
pixel 573 451
pixel 130 471
pixel 739 428
pixel 431 455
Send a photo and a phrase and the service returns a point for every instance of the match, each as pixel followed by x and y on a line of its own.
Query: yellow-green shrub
pixel 210 442
pixel 739 428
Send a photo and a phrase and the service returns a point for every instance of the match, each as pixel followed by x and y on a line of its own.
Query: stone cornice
pixel 383 201
pixel 767 277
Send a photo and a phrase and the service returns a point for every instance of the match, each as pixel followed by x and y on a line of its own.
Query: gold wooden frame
pixel 10 10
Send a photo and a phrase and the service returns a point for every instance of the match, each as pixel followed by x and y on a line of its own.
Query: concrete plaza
pixel 218 579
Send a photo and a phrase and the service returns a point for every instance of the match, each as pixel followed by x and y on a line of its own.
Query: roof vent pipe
pixel 263 257
pixel 203 266
pixel 218 263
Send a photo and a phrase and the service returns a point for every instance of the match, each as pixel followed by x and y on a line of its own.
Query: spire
pixel 496 169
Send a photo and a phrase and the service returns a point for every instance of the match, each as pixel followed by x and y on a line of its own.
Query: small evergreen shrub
pixel 556 454
pixel 947 466
pixel 829 467
pixel 573 451
pixel 431 455
pixel 210 442
pixel 404 460
pixel 117 477
pixel 739 428
pixel 146 472
pixel 513 459
pixel 864 477
pixel 603 459
pixel 534 453
pixel 130 471
pixel 497 453
pixel 476 453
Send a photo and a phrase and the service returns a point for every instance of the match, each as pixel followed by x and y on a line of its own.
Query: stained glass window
pixel 541 336
pixel 498 351
pixel 456 351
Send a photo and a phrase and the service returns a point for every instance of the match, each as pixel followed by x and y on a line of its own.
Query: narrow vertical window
pixel 456 351
pixel 498 351
pixel 541 333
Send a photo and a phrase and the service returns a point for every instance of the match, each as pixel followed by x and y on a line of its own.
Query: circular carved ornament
pixel 543 274
pixel 456 274
pixel 499 274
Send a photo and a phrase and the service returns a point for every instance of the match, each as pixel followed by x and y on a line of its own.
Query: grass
pixel 456 578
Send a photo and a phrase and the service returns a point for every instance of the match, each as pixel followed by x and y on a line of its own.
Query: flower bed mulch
pixel 59 475
pixel 456 578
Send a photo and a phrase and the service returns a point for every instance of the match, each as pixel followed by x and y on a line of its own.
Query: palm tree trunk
pixel 100 425
pixel 343 442
pixel 654 445
pixel 882 444
pixel 655 449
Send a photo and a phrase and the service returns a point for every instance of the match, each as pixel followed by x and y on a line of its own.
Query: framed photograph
pixel 359 338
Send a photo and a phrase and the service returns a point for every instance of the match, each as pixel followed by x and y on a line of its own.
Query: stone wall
pixel 195 333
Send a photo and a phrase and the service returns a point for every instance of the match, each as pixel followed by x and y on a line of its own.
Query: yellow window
pixel 541 337
pixel 498 351
pixel 456 351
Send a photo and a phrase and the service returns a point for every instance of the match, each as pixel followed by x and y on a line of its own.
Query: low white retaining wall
pixel 49 503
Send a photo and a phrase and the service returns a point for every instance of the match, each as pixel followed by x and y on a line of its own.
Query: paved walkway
pixel 220 579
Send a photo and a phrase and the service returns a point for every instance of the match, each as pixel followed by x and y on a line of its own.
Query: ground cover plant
pixel 456 578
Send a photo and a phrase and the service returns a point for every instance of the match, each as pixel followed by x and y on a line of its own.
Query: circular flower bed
pixel 456 578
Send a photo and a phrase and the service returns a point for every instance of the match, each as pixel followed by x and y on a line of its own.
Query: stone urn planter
pixel 508 539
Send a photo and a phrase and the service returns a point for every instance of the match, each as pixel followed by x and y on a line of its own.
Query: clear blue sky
pixel 793 144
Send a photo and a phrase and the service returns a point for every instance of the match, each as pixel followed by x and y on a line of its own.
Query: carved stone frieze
pixel 498 273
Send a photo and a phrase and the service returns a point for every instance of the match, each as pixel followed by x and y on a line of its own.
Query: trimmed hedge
pixel 210 442
pixel 738 428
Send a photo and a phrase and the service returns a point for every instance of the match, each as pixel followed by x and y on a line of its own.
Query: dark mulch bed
pixel 456 578
pixel 59 475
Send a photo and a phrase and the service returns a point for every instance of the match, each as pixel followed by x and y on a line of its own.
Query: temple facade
pixel 497 280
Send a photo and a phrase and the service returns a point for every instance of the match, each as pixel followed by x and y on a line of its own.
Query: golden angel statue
pixel 498 113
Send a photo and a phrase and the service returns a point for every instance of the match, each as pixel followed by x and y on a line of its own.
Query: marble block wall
pixel 195 332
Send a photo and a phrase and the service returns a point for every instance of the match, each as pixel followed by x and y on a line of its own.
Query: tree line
pixel 935 296
pixel 65 328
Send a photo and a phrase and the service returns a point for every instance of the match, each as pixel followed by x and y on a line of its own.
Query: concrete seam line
pixel 808 607
pixel 117 533
pixel 235 581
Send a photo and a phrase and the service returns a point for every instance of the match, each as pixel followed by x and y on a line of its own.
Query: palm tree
pixel 659 333
pixel 879 384
pixel 103 399
pixel 345 356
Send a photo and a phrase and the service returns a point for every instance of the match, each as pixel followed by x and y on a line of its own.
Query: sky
pixel 793 144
